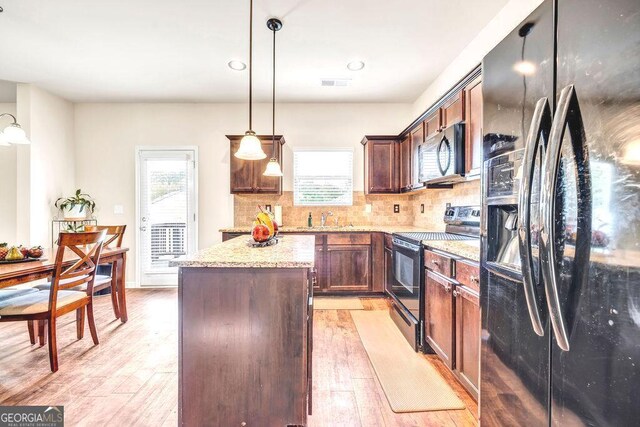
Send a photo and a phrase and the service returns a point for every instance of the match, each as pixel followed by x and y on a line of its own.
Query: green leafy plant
pixel 79 199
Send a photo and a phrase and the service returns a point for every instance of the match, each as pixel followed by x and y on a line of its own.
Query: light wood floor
pixel 131 377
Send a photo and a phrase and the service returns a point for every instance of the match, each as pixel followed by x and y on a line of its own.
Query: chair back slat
pixel 88 247
pixel 115 233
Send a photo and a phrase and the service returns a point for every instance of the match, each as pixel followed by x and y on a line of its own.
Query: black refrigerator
pixel 560 281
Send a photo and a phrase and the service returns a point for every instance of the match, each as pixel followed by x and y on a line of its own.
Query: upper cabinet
pixel 452 110
pixel 246 175
pixel 381 164
pixel 392 163
pixel 432 124
pixel 406 166
pixel 473 143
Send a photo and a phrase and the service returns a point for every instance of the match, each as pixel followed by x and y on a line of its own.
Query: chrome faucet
pixel 323 218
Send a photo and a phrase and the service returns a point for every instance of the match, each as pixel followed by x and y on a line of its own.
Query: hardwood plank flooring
pixel 131 377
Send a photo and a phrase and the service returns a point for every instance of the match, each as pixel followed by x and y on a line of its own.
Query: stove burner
pixel 433 235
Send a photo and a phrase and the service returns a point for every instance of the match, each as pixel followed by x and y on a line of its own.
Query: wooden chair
pixel 44 307
pixel 114 235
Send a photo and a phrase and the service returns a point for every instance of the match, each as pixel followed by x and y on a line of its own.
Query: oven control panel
pixel 462 215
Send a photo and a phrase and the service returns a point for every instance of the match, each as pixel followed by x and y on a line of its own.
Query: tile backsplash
pixel 434 200
pixel 245 209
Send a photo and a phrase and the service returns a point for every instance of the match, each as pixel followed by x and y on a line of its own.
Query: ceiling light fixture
pixel 273 167
pixel 13 134
pixel 237 65
pixel 355 65
pixel 250 146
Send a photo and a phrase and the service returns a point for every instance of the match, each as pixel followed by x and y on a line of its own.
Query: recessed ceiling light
pixel 355 65
pixel 237 65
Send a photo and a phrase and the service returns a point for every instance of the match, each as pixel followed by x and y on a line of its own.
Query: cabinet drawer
pixel 468 275
pixel 438 263
pixel 348 239
pixel 388 241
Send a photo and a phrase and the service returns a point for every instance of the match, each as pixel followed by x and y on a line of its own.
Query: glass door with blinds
pixel 167 212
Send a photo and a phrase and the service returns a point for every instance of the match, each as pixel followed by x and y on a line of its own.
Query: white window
pixel 323 177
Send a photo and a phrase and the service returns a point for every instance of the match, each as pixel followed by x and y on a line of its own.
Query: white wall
pixel 46 167
pixel 8 190
pixel 512 14
pixel 107 134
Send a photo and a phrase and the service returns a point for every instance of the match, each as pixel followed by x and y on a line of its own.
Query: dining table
pixel 19 273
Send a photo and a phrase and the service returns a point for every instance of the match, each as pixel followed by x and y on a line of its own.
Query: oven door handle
pixel 408 246
pixel 540 129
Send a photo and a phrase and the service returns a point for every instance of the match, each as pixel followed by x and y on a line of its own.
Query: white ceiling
pixel 161 50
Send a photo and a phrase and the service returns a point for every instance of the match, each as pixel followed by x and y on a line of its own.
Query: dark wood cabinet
pixel 432 124
pixel 453 110
pixel 381 164
pixel 440 311
pixel 417 138
pixel 473 129
pixel 321 270
pixel 406 164
pixel 246 175
pixel 349 268
pixel 467 338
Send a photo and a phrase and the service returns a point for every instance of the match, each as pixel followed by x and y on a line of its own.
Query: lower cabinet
pixel 345 261
pixel 349 268
pixel 468 338
pixel 452 316
pixel 439 322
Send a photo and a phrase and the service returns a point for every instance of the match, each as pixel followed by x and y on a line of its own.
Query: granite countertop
pixel 469 249
pixel 290 252
pixel 333 229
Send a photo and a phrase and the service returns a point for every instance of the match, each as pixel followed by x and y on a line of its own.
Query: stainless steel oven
pixel 406 288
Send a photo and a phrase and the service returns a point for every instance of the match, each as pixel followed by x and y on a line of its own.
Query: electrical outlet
pixel 267 208
pixel 396 208
pixel 118 209
pixel 368 208
pixel 422 208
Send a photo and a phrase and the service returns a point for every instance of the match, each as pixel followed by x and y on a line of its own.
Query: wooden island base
pixel 245 345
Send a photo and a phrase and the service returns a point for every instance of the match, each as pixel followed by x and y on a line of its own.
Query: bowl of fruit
pixel 265 230
pixel 13 254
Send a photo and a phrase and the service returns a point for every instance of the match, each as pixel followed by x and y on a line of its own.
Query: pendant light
pixel 250 146
pixel 13 134
pixel 273 167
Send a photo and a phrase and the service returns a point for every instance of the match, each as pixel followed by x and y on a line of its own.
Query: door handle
pixel 540 127
pixel 568 116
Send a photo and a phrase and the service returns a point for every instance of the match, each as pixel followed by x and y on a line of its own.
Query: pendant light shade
pixel 13 134
pixel 250 146
pixel 273 167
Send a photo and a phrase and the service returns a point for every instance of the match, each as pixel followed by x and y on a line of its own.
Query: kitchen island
pixel 245 333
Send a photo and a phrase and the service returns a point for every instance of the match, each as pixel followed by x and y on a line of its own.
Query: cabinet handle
pixel 474 279
pixel 455 294
pixel 435 262
pixel 447 288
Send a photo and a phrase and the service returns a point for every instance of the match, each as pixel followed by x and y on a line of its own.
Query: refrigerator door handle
pixel 567 117
pixel 540 128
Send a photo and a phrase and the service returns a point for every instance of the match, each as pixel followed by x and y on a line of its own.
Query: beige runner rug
pixel 337 303
pixel 409 381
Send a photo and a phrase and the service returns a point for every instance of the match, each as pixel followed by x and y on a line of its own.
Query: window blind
pixel 323 177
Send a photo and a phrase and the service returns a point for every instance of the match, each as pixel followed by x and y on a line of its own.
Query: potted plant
pixel 77 207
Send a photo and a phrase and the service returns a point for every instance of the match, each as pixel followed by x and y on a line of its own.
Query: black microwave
pixel 441 158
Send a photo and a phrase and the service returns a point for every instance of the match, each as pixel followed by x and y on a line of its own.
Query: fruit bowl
pixel 272 241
